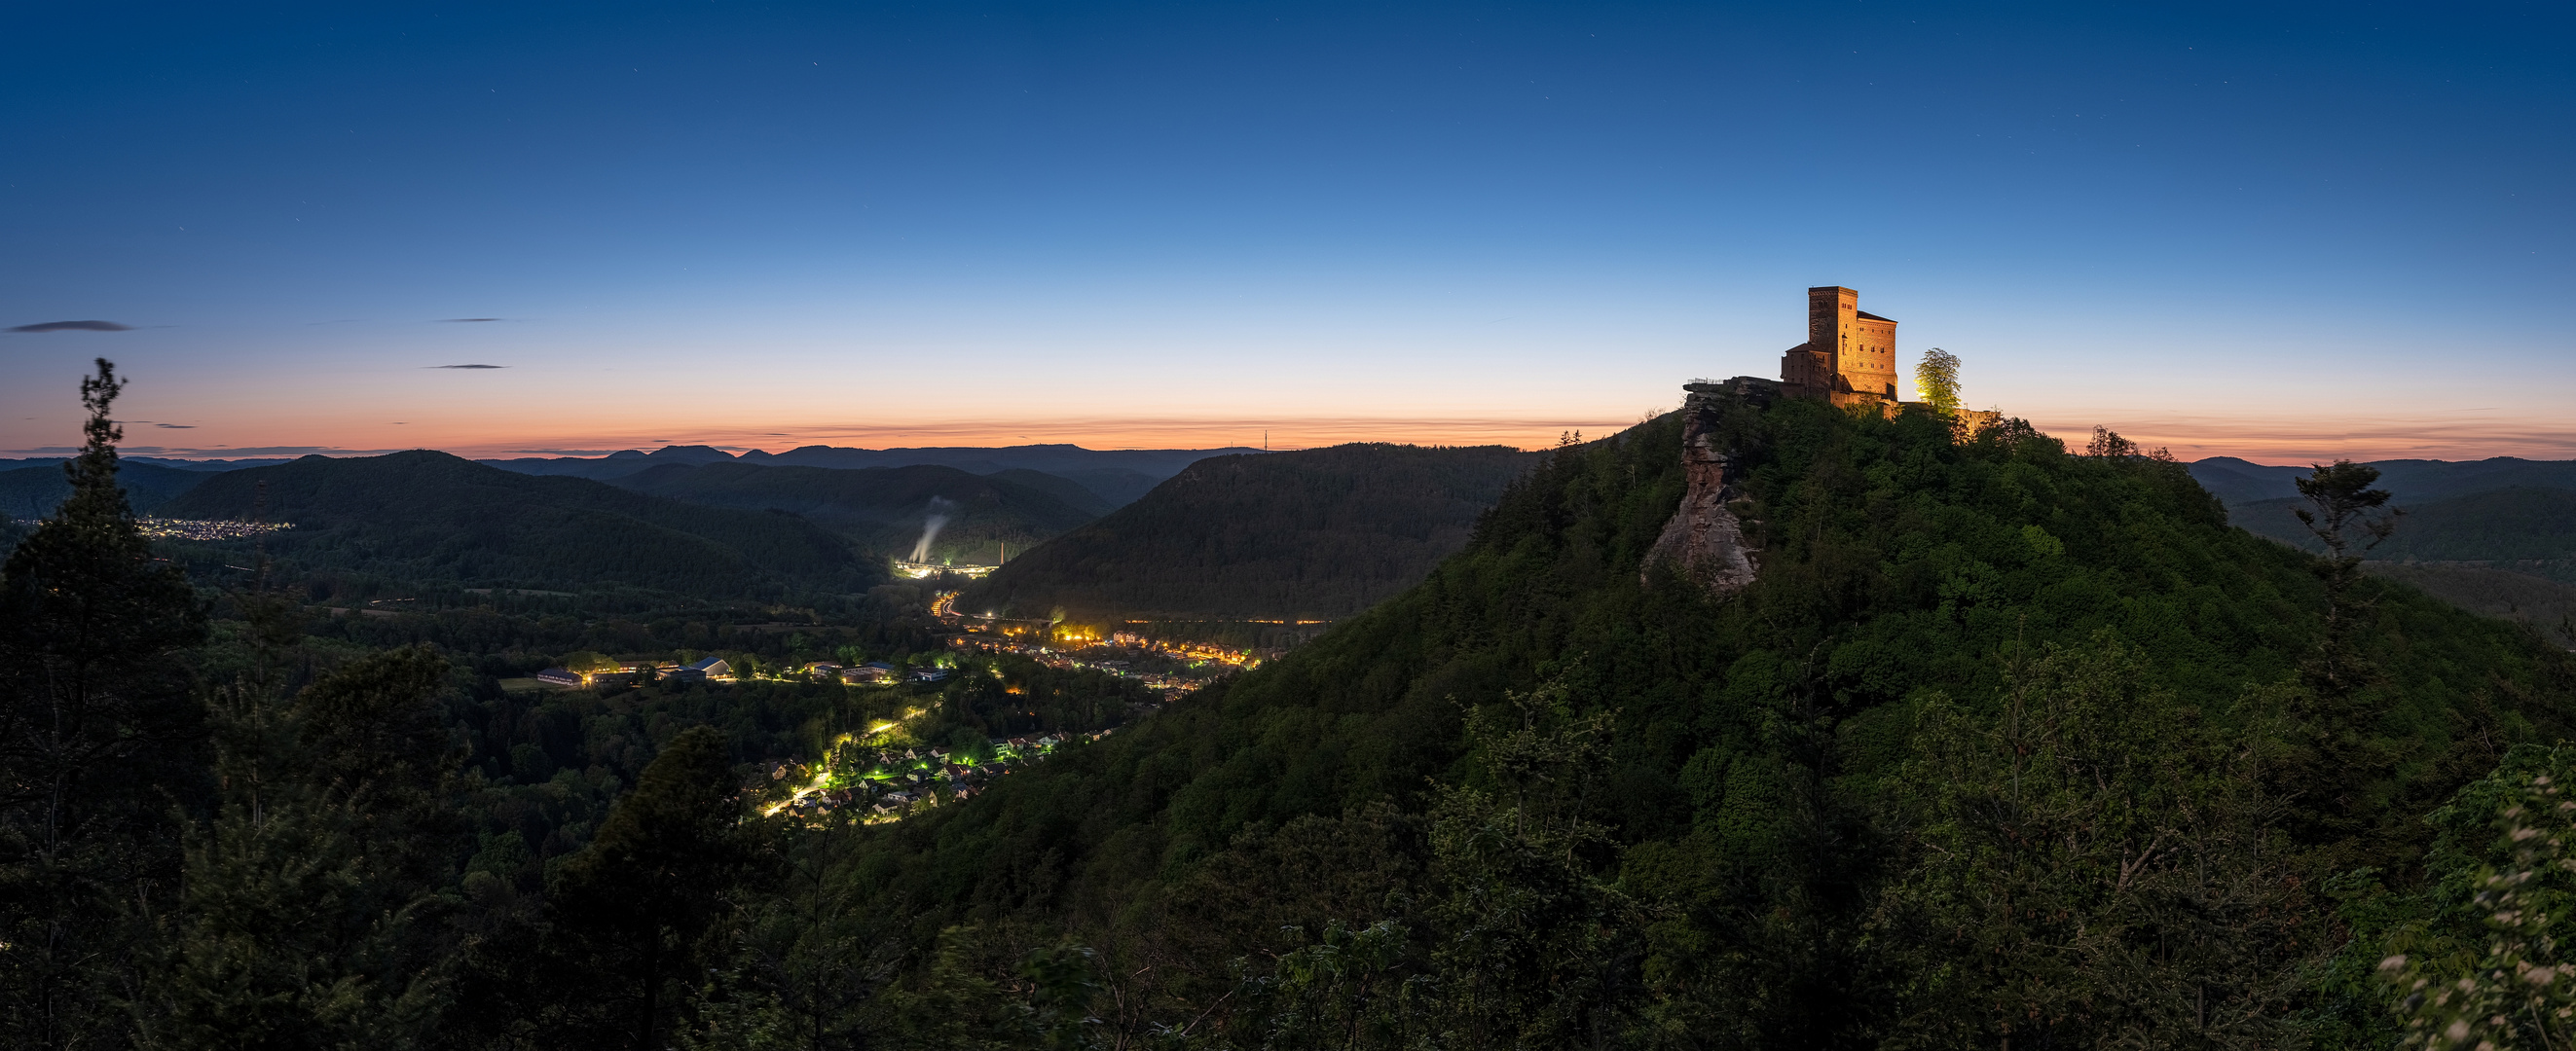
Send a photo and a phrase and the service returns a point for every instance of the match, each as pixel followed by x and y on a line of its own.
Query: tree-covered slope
pixel 32 492
pixel 1798 816
pixel 426 515
pixel 1317 533
pixel 1072 491
pixel 2531 530
pixel 2548 606
pixel 886 508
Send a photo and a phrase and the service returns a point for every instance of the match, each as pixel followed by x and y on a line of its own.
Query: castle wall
pixel 1869 360
pixel 1807 372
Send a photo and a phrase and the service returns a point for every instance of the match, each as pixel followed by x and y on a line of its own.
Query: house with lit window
pixel 711 669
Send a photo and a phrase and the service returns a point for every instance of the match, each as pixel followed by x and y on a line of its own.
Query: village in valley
pixel 900 764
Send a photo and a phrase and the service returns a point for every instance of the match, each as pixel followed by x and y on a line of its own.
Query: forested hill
pixel 2531 530
pixel 2496 536
pixel 428 516
pixel 886 508
pixel 1317 533
pixel 2003 746
pixel 1114 475
pixel 32 492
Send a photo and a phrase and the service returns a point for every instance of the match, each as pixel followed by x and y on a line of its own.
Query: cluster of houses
pixel 1204 652
pixel 1050 657
pixel 711 669
pixel 715 669
pixel 892 782
pixel 873 673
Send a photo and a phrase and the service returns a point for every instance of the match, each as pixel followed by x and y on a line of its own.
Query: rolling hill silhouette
pixel 426 515
pixel 1315 534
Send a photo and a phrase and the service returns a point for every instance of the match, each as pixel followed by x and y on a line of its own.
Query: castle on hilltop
pixel 1849 357
pixel 1849 360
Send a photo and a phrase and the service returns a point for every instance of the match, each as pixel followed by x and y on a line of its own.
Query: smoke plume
pixel 930 527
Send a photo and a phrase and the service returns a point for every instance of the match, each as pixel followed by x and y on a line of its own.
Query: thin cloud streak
pixel 74 326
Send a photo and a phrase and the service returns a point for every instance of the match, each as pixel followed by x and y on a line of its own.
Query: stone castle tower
pixel 1849 357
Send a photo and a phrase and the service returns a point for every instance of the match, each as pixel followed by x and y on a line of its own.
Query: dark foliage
pixel 629 909
pixel 429 516
pixel 1320 533
pixel 2547 606
pixel 309 910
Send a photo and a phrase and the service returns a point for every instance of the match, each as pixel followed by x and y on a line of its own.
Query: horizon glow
pixel 2285 233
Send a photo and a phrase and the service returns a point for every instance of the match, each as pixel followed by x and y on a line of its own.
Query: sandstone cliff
pixel 1704 539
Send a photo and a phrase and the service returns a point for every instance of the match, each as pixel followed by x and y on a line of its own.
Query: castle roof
pixel 1867 316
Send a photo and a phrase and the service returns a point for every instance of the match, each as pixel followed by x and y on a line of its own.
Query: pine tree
pixel 2343 754
pixel 2342 517
pixel 97 723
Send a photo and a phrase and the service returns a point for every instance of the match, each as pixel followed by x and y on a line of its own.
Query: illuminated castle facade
pixel 1849 357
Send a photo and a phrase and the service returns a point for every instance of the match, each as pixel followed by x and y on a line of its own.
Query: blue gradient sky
pixel 2279 232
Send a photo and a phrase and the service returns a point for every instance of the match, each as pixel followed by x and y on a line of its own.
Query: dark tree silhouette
pixel 630 907
pixel 95 712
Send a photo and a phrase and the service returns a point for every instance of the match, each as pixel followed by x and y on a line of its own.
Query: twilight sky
pixel 2281 232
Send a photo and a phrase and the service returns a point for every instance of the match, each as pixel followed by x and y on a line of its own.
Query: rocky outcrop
pixel 1704 540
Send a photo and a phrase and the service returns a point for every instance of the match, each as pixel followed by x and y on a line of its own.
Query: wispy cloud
pixel 467 366
pixel 74 326
pixel 562 452
pixel 176 426
pixel 466 320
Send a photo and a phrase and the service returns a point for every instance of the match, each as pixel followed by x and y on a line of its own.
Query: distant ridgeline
pixel 33 492
pixel 1114 476
pixel 429 516
pixel 1316 533
pixel 970 504
pixel 1595 799
pixel 889 509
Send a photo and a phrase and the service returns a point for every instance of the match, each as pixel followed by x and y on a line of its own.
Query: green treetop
pixel 1936 379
